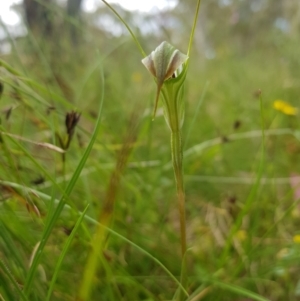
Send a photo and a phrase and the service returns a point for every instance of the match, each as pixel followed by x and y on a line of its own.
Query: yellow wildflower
pixel 296 239
pixel 241 235
pixel 284 107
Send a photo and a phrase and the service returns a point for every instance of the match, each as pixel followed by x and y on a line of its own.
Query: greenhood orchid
pixel 168 65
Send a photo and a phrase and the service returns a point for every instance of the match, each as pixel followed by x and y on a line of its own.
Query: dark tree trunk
pixel 73 10
pixel 74 7
pixel 38 16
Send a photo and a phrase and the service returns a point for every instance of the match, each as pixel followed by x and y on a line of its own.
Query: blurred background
pixel 244 232
pixel 239 18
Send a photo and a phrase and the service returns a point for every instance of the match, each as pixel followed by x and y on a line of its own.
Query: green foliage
pixel 242 204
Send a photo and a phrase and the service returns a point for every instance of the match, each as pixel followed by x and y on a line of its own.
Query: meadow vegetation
pixel 78 146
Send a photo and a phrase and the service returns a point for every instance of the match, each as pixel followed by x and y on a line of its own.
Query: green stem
pixel 176 149
pixel 193 28
pixel 128 28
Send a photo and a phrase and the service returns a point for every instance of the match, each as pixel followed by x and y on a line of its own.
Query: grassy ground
pixel 242 194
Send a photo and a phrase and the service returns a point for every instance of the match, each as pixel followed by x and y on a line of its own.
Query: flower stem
pixel 176 149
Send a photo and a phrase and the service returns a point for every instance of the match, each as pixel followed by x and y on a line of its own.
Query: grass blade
pixel 64 252
pixel 62 202
pixel 93 221
pixel 12 280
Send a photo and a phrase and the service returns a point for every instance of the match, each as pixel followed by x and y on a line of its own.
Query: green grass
pixel 242 212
